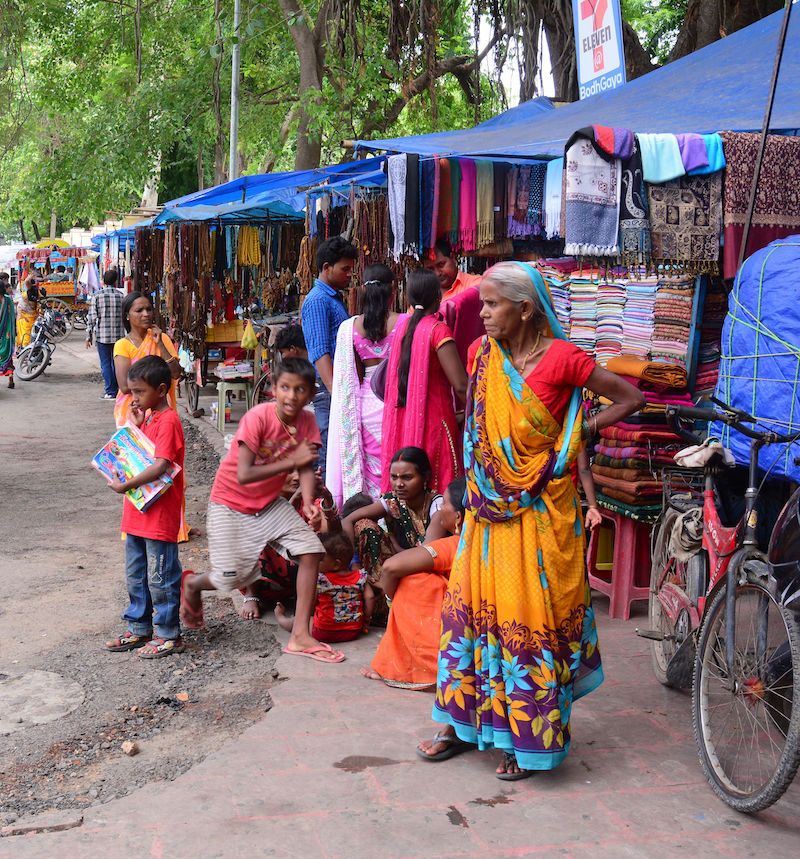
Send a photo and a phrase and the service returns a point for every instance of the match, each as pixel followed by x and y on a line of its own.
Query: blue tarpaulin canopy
pixel 283 187
pixel 231 213
pixel 722 87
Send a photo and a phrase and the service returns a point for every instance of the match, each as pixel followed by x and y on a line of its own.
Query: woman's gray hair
pixel 515 284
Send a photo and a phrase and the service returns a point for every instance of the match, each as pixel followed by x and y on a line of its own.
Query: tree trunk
pixel 219 132
pixel 201 176
pixel 310 42
pixel 558 29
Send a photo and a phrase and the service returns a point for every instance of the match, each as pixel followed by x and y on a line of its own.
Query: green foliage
pixel 657 23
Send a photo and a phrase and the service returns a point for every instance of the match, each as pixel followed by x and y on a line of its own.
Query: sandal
pixel 190 618
pixel 127 641
pixel 453 747
pixel 508 759
pixel 158 647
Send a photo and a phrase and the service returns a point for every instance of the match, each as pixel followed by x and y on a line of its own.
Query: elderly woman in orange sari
pixel 144 338
pixel 519 641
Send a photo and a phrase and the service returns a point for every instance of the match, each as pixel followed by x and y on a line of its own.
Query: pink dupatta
pixel 468 205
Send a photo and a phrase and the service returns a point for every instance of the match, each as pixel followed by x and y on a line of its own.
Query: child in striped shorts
pixel 246 510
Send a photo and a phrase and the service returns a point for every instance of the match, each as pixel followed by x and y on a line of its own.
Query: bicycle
pixel 730 623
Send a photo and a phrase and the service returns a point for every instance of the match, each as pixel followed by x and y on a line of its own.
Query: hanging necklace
pixel 530 354
pixel 290 428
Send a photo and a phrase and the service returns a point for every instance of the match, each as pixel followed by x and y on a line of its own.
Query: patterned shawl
pixel 412 206
pixel 591 202
pixel 634 225
pixel 397 168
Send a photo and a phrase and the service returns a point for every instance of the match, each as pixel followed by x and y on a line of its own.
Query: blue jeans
pixel 106 353
pixel 153 577
pixel 322 412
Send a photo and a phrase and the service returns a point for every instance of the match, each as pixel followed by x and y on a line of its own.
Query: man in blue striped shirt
pixel 322 313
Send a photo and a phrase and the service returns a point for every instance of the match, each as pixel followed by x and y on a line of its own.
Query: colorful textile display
pixel 616 142
pixel 673 321
pixel 668 375
pixel 686 221
pixel 583 316
pixel 661 157
pixel 610 308
pixel 396 171
pixel 552 197
pixel 638 317
pixel 777 211
pixel 714 154
pixel 468 211
pixel 693 151
pixel 634 224
pixel 484 233
pixel 412 205
pixel 591 202
pixel 714 309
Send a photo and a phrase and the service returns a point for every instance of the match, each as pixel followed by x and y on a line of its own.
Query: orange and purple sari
pixel 519 642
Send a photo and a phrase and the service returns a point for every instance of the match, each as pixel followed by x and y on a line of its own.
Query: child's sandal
pixel 158 647
pixel 127 641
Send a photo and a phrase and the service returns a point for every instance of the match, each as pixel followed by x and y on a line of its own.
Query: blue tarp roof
pixel 272 186
pixel 124 234
pixel 723 87
pixel 231 213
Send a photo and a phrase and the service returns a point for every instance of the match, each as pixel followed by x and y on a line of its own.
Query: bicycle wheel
pixel 664 569
pixel 262 390
pixel 747 727
pixel 32 362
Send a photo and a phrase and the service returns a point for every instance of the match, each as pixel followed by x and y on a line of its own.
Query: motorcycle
pixel 35 358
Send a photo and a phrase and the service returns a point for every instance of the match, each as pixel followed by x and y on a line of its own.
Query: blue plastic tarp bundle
pixel 760 365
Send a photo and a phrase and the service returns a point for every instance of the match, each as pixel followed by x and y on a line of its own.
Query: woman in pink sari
pixel 423 374
pixel 353 462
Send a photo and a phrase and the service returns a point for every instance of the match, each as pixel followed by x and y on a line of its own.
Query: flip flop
pixel 453 747
pixel 190 618
pixel 508 758
pixel 313 653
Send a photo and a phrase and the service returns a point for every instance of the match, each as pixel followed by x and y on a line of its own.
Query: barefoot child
pixel 246 509
pixel 345 600
pixel 152 568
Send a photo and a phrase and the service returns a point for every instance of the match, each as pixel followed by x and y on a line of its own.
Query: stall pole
pixel 233 169
pixel 764 131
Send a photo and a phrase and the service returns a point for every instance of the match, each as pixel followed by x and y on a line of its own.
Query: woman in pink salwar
pixel 354 437
pixel 423 374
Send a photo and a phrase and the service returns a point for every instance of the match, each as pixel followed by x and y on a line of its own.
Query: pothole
pixel 35 698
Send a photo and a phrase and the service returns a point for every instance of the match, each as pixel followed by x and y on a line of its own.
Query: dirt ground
pixel 61 595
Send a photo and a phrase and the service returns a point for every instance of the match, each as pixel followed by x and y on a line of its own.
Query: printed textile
pixel 397 167
pixel 777 211
pixel 591 202
pixel 634 223
pixel 686 220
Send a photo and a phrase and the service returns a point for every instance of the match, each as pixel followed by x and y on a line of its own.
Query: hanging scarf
pixel 437 190
pixel 686 221
pixel 412 204
pixel 500 176
pixel 536 197
pixel 591 202
pixel 397 168
pixel 428 206
pixel 484 203
pixel 468 212
pixel 693 151
pixel 661 157
pixel 455 188
pixel 219 254
pixel 552 197
pixel 444 218
pixel 715 156
pixel 634 225
pixel 518 196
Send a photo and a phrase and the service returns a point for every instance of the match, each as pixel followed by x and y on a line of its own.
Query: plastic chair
pixel 223 388
pixel 618 562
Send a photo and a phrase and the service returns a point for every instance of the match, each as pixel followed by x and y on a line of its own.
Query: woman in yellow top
pixel 143 338
pixel 27 310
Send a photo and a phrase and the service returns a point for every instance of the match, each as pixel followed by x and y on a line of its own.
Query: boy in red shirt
pixel 152 568
pixel 246 510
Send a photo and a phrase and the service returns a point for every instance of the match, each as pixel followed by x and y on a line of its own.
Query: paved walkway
pixel 331 772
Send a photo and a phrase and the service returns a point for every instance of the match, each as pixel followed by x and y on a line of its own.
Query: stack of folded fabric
pixel 556 273
pixel 610 307
pixel 714 310
pixel 583 318
pixel 673 320
pixel 638 315
pixel 630 455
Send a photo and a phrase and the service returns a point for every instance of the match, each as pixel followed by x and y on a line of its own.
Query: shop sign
pixel 598 43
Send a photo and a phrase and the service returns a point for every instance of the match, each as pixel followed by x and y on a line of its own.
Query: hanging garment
pixel 777 211
pixel 484 203
pixel 412 205
pixel 686 221
pixel 634 224
pixel 437 189
pixel 500 177
pixel 661 157
pixel 467 212
pixel 518 196
pixel 592 202
pixel 693 151
pixel 455 196
pixel 552 197
pixel 397 167
pixel 445 210
pixel 616 142
pixel 714 153
pixel 427 204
